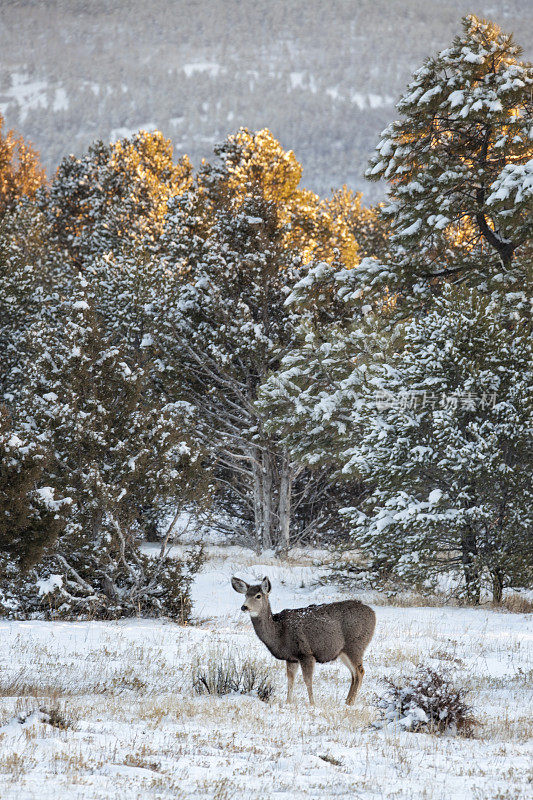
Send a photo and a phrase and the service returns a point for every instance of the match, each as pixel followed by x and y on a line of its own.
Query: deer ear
pixel 266 586
pixel 239 586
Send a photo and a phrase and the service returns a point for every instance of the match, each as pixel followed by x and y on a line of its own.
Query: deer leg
pixel 308 664
pixel 292 669
pixel 357 672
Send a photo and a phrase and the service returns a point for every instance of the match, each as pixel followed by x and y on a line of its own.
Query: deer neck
pixel 266 628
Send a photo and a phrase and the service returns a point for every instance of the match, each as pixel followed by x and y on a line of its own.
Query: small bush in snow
pixel 517 603
pixel 429 703
pixel 47 715
pixel 55 716
pixel 224 674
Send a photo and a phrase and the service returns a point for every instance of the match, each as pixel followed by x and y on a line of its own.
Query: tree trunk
pixel 284 507
pixel 272 487
pixel 504 248
pixel 267 485
pixel 257 469
pixel 470 565
pixel 497 586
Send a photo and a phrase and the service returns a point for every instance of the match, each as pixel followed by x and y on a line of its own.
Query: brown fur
pixel 316 633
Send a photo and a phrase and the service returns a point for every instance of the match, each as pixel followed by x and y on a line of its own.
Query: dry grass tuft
pixel 14 765
pixel 223 673
pixel 517 604
pixel 414 599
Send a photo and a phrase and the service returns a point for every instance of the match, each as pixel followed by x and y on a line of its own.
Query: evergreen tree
pixel 31 517
pixel 115 196
pixel 310 399
pixel 21 173
pixel 456 160
pixel 232 249
pixel 33 275
pixel 221 330
pixel 369 227
pixel 435 420
pixel 316 229
pixel 445 437
pixel 115 452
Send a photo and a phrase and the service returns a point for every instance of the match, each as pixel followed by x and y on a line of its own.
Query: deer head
pixel 256 596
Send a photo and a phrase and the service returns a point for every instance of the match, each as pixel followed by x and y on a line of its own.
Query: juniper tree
pixel 115 451
pixel 21 173
pixel 221 330
pixel 32 277
pixel 31 517
pixel 114 197
pixel 35 275
pixel 456 160
pixel 369 227
pixel 317 229
pixel 232 248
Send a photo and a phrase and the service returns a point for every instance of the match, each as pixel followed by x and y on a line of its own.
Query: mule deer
pixel 306 635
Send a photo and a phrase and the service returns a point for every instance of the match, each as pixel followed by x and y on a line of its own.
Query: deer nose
pixel 244 608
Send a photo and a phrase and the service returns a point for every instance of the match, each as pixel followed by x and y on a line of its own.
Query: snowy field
pixel 136 729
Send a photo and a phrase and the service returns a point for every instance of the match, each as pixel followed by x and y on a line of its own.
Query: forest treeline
pixel 324 78
pixel 304 367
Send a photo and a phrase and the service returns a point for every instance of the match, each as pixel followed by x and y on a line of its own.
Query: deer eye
pixel 258 597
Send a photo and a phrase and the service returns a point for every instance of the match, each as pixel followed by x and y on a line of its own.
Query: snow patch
pixel 198 67
pixel 49 585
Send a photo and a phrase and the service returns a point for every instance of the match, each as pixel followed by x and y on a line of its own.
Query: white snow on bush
pixel 49 585
pixel 434 496
pixel 515 182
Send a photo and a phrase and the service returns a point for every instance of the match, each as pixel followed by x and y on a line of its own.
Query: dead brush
pixel 430 703
pixel 517 604
pixel 56 717
pixel 225 674
pixel 49 712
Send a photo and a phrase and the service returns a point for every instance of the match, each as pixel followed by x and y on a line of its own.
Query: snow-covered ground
pixel 138 730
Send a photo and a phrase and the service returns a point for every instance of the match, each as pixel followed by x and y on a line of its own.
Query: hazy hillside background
pixel 323 76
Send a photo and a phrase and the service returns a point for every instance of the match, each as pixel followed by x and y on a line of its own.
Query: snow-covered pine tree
pixel 32 278
pixel 433 420
pixel 444 436
pixel 310 400
pixel 114 196
pixel 455 160
pixel 115 452
pixel 233 248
